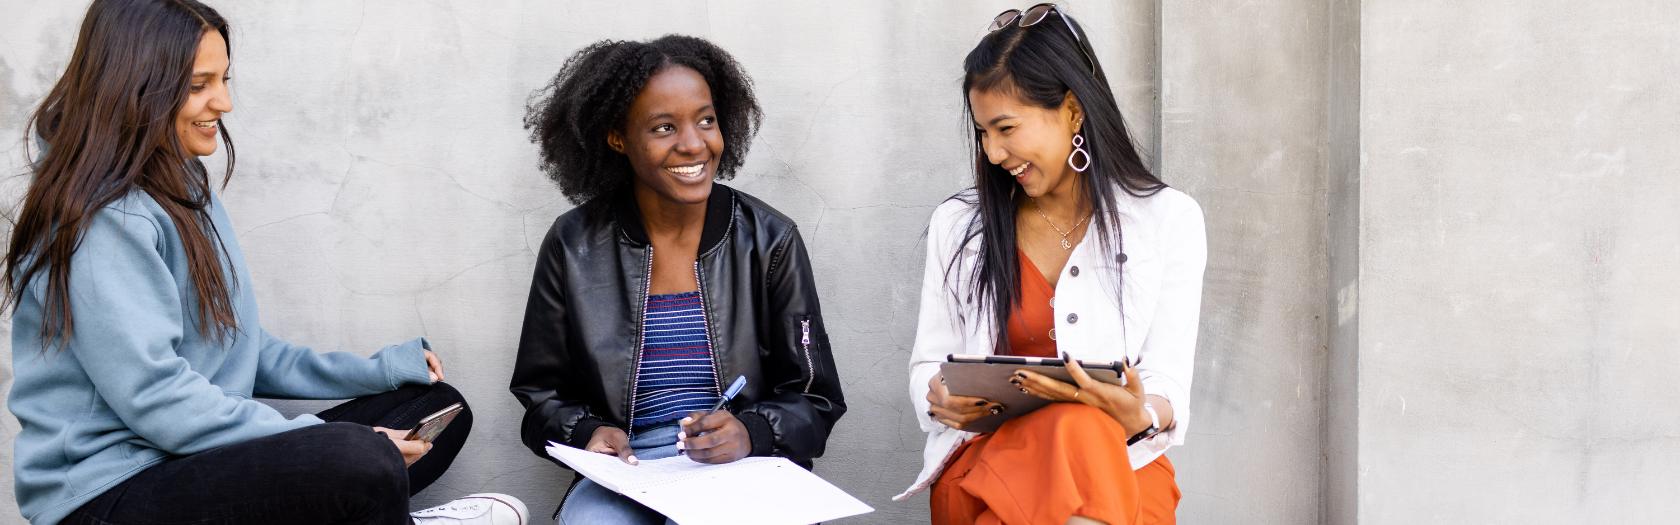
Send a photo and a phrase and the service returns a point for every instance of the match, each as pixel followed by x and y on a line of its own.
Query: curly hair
pixel 591 95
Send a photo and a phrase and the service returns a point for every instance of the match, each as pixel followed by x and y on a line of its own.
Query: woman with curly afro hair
pixel 663 287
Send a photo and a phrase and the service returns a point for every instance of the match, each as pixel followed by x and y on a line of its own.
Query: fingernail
pixel 681 436
pixel 687 420
pixel 979 403
pixel 633 460
pixel 680 445
pixel 1015 382
pixel 1023 391
pixel 930 413
pixel 1066 356
pixel 997 410
pixel 941 380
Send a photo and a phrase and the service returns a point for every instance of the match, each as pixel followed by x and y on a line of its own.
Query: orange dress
pixel 1063 460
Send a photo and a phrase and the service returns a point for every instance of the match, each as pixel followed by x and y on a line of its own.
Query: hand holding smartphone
pixel 432 425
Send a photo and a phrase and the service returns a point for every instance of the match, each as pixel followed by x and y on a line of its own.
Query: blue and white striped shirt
pixel 676 374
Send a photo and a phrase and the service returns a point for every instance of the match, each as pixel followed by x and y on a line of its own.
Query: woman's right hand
pixel 412 449
pixel 611 441
pixel 956 411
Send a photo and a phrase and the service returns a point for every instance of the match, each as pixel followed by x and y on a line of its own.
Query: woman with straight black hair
pixel 1067 246
pixel 136 339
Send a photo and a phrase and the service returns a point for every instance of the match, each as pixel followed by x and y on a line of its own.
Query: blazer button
pixel 1120 258
pixel 1073 318
pixel 1074 271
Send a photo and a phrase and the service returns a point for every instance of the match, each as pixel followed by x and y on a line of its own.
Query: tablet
pixel 987 377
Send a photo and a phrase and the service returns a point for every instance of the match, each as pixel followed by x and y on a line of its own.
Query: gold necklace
pixel 1065 244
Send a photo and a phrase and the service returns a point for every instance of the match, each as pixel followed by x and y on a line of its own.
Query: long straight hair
pixel 109 127
pixel 1041 64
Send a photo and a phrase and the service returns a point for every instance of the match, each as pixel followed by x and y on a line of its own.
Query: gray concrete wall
pixel 1517 320
pixel 1243 130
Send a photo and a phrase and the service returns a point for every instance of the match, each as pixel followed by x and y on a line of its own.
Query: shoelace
pixel 452 506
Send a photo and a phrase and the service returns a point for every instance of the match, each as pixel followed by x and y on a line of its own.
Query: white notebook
pixel 754 490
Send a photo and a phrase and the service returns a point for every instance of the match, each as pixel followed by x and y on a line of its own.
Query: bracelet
pixel 1154 426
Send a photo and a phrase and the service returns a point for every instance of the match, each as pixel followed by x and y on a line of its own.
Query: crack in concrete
pixel 248 231
pixel 817 111
pixel 890 207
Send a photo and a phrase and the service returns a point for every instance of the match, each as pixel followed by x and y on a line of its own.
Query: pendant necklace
pixel 1064 233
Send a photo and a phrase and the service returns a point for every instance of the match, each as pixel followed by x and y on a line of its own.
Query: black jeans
pixel 339 472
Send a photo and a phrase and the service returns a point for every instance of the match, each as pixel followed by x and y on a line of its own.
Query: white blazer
pixel 1165 251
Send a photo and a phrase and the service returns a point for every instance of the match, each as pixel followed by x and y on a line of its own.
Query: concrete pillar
pixel 1339 481
pixel 1243 130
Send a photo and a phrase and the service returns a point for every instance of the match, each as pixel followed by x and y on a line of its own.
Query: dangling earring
pixel 1079 151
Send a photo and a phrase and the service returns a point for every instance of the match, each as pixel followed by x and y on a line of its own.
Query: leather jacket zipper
pixel 805 343
pixel 706 321
pixel 636 350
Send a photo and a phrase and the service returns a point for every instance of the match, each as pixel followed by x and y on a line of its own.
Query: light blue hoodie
pixel 137 383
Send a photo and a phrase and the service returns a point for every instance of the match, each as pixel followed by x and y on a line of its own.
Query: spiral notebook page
pixel 689 493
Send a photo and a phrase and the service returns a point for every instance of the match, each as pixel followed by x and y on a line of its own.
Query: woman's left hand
pixel 434 366
pixel 714 438
pixel 1124 404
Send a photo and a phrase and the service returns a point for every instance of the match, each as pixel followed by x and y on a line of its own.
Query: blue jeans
pixel 590 503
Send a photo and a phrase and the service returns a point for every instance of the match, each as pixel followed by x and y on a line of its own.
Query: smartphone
pixel 432 425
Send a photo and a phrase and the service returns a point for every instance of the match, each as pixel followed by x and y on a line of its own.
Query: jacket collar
pixel 719 217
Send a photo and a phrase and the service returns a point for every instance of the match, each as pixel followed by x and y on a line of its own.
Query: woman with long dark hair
pixel 136 339
pixel 1067 246
pixel 663 286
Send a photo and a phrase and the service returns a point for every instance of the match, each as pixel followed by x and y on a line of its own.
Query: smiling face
pixel 671 137
pixel 200 117
pixel 1029 141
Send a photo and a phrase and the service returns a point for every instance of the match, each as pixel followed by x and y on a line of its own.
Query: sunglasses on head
pixel 1034 15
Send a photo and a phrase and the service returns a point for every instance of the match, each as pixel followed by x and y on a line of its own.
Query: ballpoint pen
pixel 728 394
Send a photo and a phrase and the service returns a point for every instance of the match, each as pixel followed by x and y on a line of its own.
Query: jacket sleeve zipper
pixel 805 343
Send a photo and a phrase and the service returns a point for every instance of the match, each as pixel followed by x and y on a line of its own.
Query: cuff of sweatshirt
pixel 405 363
pixel 759 432
pixel 583 430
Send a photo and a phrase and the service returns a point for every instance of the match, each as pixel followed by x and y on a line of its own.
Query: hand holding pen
pixel 715 436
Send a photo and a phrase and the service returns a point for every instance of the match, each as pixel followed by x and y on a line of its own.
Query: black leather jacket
pixel 580 346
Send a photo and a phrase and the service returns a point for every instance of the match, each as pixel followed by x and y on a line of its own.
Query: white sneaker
pixel 475 509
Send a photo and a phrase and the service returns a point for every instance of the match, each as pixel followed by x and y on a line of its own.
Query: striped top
pixel 676 374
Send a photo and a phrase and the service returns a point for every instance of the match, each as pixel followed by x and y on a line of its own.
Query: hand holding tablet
pixel 988 378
